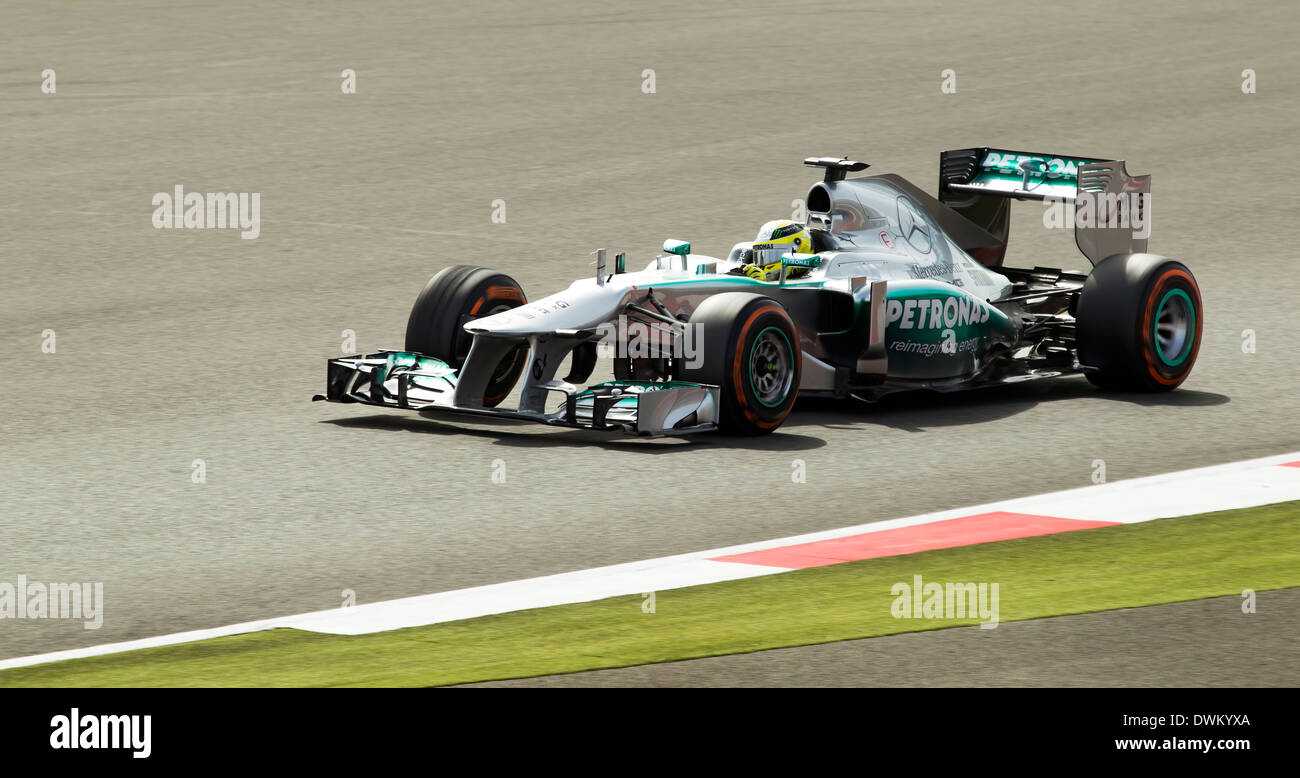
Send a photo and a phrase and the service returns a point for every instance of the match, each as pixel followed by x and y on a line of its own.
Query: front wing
pixel 403 379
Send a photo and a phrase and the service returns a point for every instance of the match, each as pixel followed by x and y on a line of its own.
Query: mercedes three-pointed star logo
pixel 912 225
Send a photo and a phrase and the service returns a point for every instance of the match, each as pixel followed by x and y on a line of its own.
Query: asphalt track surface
pixel 1198 643
pixel 176 345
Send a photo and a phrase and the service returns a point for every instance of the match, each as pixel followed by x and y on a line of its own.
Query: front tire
pixel 750 349
pixel 457 294
pixel 1139 323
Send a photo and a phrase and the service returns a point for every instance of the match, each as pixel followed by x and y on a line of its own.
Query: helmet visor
pixel 768 253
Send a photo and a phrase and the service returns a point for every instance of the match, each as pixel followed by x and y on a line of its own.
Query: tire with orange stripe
pixel 750 349
pixel 1138 323
pixel 454 296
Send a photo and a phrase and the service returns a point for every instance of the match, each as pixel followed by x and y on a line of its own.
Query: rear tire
pixel 749 348
pixel 450 299
pixel 1139 323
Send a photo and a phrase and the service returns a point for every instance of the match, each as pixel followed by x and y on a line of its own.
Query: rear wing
pixel 1019 174
pixel 980 182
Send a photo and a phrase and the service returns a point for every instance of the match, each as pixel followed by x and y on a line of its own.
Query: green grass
pixel 1090 570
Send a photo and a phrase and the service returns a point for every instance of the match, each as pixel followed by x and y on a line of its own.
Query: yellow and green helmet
pixel 783 233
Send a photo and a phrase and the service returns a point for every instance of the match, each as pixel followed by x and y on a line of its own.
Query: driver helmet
pixel 785 234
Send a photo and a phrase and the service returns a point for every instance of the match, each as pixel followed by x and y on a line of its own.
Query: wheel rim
pixel 509 364
pixel 1175 327
pixel 771 368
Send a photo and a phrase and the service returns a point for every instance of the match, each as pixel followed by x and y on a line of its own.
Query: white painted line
pixel 579 586
pixel 1220 487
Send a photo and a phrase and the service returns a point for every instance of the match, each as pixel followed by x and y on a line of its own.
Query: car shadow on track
pixel 921 410
pixel 527 434
pixel 908 411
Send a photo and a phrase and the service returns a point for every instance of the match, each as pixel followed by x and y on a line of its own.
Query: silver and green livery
pixel 904 291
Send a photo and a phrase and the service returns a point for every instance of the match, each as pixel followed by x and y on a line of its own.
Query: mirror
pixel 679 247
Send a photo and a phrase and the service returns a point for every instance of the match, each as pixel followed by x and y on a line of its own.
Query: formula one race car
pixel 898 291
